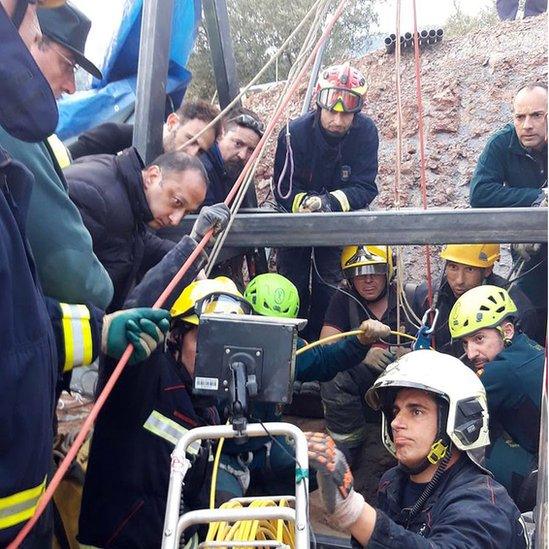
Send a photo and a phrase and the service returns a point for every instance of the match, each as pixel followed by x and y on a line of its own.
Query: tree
pixel 259 27
pixel 460 23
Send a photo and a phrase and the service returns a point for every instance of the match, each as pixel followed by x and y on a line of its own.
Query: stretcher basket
pixel 175 524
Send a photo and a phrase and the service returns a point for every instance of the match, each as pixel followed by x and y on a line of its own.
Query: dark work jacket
pixel 29 358
pixel 467 509
pixel 108 138
pixel 507 174
pixel 418 298
pixel 218 180
pixel 350 166
pixel 513 383
pixel 126 485
pixel 108 191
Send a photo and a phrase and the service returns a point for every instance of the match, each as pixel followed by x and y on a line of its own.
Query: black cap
pixel 69 27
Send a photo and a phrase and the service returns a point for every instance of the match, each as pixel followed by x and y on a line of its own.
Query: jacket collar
pixel 129 166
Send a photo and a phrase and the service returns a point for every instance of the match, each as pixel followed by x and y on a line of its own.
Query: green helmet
pixel 481 307
pixel 272 294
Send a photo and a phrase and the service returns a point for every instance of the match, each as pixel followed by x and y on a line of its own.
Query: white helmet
pixel 453 383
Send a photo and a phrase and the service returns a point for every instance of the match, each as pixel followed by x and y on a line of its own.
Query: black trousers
pixel 507 9
pixel 297 265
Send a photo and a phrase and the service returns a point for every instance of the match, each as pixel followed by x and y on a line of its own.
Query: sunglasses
pixel 329 98
pixel 249 122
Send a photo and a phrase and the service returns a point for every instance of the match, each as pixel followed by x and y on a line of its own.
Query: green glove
pixel 142 327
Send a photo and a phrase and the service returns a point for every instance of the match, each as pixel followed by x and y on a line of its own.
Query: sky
pixel 429 12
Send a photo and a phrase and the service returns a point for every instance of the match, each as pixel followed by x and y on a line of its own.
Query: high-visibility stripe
pixel 298 199
pixel 169 430
pixel 20 507
pixel 192 543
pixel 60 152
pixel 341 197
pixel 77 336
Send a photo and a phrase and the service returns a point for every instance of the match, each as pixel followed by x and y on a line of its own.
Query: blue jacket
pixel 218 181
pixel 33 346
pixel 151 406
pixel 507 174
pixel 467 509
pixel 513 383
pixel 348 169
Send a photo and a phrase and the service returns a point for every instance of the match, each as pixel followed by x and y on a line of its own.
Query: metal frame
pixel 152 73
pixel 221 49
pixel 271 229
pixel 174 525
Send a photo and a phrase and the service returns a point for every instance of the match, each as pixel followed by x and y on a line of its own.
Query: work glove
pixel 214 217
pixel 525 251
pixel 315 203
pixel 335 480
pixel 372 330
pixel 378 358
pixel 144 328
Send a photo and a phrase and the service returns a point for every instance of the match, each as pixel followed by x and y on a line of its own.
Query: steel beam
pixel 152 72
pixel 265 228
pixel 221 48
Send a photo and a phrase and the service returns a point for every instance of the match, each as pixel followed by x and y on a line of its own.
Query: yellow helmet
pixel 481 307
pixel 217 295
pixel 474 255
pixel 365 259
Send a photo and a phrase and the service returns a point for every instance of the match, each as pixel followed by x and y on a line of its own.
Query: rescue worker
pixel 325 161
pixel 267 467
pixel 369 292
pixel 435 421
pixel 39 337
pixel 67 266
pixel 466 266
pixel 126 484
pixel 510 366
pixel 512 172
pixel 180 126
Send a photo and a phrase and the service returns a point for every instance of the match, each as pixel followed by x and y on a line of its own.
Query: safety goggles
pixel 220 302
pixel 249 122
pixel 346 100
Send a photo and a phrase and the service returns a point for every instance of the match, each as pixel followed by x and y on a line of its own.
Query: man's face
pixel 530 117
pixel 336 123
pixel 485 345
pixel 57 64
pixel 370 286
pixel 177 134
pixel 414 425
pixel 237 145
pixel 462 278
pixel 188 350
pixel 171 195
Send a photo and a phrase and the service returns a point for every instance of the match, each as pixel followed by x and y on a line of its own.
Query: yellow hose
pixel 341 335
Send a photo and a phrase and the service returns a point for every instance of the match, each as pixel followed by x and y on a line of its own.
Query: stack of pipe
pixel 425 37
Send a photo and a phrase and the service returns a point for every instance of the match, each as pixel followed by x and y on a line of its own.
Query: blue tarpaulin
pixel 115 93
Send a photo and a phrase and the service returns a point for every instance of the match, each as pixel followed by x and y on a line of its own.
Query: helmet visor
pixel 348 100
pixel 372 269
pixel 222 303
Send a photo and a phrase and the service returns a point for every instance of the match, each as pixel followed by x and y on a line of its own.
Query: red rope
pixel 79 440
pixel 421 133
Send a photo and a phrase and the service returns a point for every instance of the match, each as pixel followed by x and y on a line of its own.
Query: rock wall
pixel 467 88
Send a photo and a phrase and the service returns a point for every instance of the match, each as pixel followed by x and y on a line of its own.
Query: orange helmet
pixel 341 88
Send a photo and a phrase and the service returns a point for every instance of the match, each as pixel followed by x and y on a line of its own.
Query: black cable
pixel 512 281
